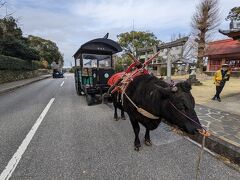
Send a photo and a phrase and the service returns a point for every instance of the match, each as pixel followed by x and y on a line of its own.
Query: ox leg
pixel 115 112
pixel 136 129
pixel 147 141
pixel 122 114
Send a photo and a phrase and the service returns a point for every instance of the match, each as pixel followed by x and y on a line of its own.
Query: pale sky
pixel 71 23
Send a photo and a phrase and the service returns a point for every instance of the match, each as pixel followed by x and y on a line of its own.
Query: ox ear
pixel 185 86
pixel 164 91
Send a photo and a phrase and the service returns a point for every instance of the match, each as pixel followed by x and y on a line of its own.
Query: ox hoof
pixel 116 118
pixel 148 142
pixel 123 118
pixel 137 147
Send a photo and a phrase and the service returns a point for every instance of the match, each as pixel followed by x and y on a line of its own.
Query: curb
pixel 220 147
pixel 24 84
pixel 216 145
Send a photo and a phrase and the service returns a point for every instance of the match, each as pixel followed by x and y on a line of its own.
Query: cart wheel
pixel 89 99
pixel 79 89
pixel 78 85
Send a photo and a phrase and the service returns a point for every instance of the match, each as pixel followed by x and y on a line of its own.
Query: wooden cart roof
pixel 99 46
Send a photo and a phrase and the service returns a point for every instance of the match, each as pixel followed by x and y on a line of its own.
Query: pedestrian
pixel 220 78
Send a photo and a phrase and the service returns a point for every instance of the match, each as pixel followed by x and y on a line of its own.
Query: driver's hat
pixel 225 65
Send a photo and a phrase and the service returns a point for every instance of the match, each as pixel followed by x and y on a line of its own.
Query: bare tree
pixel 189 49
pixel 2 3
pixel 204 21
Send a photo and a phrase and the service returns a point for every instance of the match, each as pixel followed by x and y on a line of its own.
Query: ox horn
pixel 164 91
pixel 174 89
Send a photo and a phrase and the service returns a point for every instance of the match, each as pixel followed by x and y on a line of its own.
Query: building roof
pixel 223 47
pixel 233 33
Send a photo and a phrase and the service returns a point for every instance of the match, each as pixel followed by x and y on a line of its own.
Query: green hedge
pixel 12 63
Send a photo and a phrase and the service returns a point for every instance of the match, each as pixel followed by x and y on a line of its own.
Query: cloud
pixel 146 14
pixel 73 22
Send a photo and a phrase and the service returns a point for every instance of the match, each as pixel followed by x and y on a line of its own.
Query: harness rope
pixel 186 116
pixel 140 110
pixel 200 158
pixel 204 134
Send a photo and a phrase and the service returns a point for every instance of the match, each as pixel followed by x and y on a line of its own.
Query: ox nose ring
pixel 204 132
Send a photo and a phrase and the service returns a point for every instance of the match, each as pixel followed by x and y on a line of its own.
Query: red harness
pixel 121 80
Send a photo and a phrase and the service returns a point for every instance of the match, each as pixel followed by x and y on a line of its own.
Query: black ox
pixel 175 105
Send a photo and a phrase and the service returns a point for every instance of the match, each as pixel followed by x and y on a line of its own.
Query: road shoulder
pixel 6 87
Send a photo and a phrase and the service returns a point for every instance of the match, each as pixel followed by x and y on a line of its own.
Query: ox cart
pixel 94 67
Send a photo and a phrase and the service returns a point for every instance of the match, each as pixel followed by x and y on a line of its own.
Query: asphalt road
pixel 75 141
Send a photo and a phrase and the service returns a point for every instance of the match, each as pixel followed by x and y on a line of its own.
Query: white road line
pixel 199 145
pixel 12 164
pixel 62 84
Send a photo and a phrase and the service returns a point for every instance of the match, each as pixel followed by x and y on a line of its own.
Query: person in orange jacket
pixel 220 78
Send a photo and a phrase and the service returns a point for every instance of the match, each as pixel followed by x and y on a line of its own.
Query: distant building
pixel 223 51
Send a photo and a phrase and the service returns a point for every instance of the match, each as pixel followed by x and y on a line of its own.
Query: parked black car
pixel 57 74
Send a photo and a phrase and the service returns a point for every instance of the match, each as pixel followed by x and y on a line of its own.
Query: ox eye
pixel 185 107
pixel 181 107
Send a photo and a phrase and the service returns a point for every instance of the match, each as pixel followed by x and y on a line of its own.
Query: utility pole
pixel 134 49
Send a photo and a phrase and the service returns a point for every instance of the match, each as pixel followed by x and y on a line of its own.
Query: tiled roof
pixel 222 47
pixel 232 33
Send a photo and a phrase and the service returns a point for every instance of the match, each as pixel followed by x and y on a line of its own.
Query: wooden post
pixel 146 56
pixel 158 70
pixel 169 66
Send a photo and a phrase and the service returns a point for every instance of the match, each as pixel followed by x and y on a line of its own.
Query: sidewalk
pixel 17 84
pixel 222 124
pixel 225 132
pixel 230 103
pixel 223 117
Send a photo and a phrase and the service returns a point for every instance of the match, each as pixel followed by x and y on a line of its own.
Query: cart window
pixel 105 63
pixel 89 60
pixel 89 63
pixel 94 60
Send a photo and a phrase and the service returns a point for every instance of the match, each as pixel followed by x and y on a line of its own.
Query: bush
pixel 45 64
pixel 164 71
pixel 121 63
pixel 72 70
pixel 11 63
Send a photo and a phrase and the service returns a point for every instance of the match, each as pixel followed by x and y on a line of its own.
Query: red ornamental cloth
pixel 133 74
pixel 114 78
